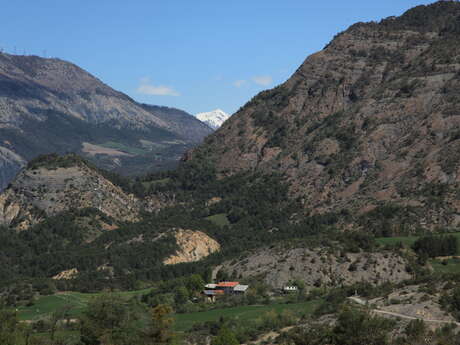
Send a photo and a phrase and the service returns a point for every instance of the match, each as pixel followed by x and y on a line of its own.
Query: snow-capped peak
pixel 213 119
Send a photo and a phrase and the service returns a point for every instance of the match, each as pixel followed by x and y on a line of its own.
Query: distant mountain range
pixel 213 119
pixel 50 105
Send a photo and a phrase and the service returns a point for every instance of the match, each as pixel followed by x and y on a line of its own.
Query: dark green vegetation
pixel 433 246
pixel 134 251
pixel 107 319
pixel 451 302
pixel 440 251
pixel 421 243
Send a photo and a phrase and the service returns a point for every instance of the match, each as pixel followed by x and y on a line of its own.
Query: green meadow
pixel 75 302
pixel 409 240
pixel 446 266
pixel 185 322
pixel 219 219
pixel 439 266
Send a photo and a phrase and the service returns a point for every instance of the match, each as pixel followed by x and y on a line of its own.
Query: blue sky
pixel 195 55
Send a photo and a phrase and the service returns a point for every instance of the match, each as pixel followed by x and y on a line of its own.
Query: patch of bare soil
pixel 93 150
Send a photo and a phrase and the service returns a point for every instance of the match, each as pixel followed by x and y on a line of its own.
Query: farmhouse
pixel 224 288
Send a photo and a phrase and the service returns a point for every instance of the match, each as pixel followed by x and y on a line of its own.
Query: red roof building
pixel 227 284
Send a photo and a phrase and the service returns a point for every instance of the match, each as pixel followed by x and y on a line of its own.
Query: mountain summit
pixel 368 126
pixel 213 119
pixel 51 105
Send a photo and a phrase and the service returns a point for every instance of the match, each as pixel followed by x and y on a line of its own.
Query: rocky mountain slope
pixel 369 126
pixel 213 119
pixel 193 246
pixel 53 185
pixel 317 267
pixel 50 105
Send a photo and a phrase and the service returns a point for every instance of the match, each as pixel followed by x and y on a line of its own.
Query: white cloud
pixel 147 88
pixel 263 80
pixel 239 83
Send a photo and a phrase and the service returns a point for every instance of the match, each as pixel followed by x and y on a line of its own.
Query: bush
pixel 436 246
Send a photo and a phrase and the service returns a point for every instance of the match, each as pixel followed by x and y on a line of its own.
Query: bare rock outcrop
pixel 43 191
pixel 67 274
pixel 193 246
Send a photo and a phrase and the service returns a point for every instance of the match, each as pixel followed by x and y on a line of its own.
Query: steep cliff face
pixel 193 246
pixel 51 187
pixel 370 122
pixel 10 164
pixel 50 105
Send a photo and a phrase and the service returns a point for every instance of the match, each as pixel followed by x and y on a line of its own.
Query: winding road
pixel 378 311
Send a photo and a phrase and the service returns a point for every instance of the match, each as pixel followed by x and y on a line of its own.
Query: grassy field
pixel 392 241
pixel 185 321
pixel 219 219
pixel 452 266
pixel 75 301
pixel 409 240
pixel 156 182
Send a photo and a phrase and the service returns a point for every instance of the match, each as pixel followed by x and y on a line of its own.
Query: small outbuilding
pixel 290 288
pixel 240 289
pixel 223 288
pixel 211 294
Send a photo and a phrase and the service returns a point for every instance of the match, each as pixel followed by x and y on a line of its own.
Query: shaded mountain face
pixel 368 127
pixel 50 105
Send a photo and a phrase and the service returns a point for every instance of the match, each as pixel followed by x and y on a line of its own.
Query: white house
pixel 290 288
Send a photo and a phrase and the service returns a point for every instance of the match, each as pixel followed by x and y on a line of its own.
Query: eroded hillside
pixel 51 186
pixel 316 267
pixel 370 122
pixel 193 246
